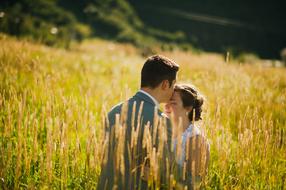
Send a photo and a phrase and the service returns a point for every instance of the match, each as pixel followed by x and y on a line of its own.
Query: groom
pixel 158 77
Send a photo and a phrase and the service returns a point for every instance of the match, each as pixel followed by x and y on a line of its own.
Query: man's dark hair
pixel 156 69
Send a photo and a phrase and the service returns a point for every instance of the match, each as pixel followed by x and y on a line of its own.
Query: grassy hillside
pixel 52 102
pixel 215 26
pixel 239 26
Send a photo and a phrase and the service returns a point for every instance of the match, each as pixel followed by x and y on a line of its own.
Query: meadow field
pixel 53 101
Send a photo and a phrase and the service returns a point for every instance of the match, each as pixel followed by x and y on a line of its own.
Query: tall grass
pixel 52 104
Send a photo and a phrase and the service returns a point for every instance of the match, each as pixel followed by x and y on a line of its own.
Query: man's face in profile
pixel 170 90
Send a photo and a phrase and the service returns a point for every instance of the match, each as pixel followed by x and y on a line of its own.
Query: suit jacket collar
pixel 145 97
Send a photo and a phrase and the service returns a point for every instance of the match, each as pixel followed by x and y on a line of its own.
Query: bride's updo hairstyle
pixel 191 98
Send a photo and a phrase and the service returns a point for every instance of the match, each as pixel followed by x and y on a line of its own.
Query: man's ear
pixel 165 84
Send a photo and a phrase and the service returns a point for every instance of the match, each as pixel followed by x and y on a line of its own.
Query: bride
pixel 190 145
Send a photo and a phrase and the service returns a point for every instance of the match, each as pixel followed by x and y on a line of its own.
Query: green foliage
pixel 204 25
pixel 55 23
pixel 42 21
pixel 123 18
pixel 247 58
pixel 283 56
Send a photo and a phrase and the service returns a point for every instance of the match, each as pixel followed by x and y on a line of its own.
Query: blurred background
pixel 237 26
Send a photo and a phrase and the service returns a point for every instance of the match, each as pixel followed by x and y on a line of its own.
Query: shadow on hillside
pixel 226 32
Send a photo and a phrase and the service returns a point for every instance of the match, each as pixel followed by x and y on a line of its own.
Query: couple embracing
pixel 147 148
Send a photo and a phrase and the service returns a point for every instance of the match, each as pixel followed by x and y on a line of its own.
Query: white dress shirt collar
pixel 152 98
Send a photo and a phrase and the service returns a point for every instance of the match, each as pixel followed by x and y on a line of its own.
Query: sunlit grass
pixel 52 102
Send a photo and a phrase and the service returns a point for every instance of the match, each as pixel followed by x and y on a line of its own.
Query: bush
pixel 249 58
pixel 283 56
pixel 42 21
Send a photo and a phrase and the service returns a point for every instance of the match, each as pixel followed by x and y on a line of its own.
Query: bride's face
pixel 175 107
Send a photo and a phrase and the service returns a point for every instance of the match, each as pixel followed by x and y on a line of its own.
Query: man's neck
pixel 153 93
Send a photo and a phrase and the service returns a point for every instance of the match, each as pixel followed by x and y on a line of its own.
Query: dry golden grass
pixel 52 103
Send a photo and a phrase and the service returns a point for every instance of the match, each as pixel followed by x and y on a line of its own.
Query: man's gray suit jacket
pixel 149 112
